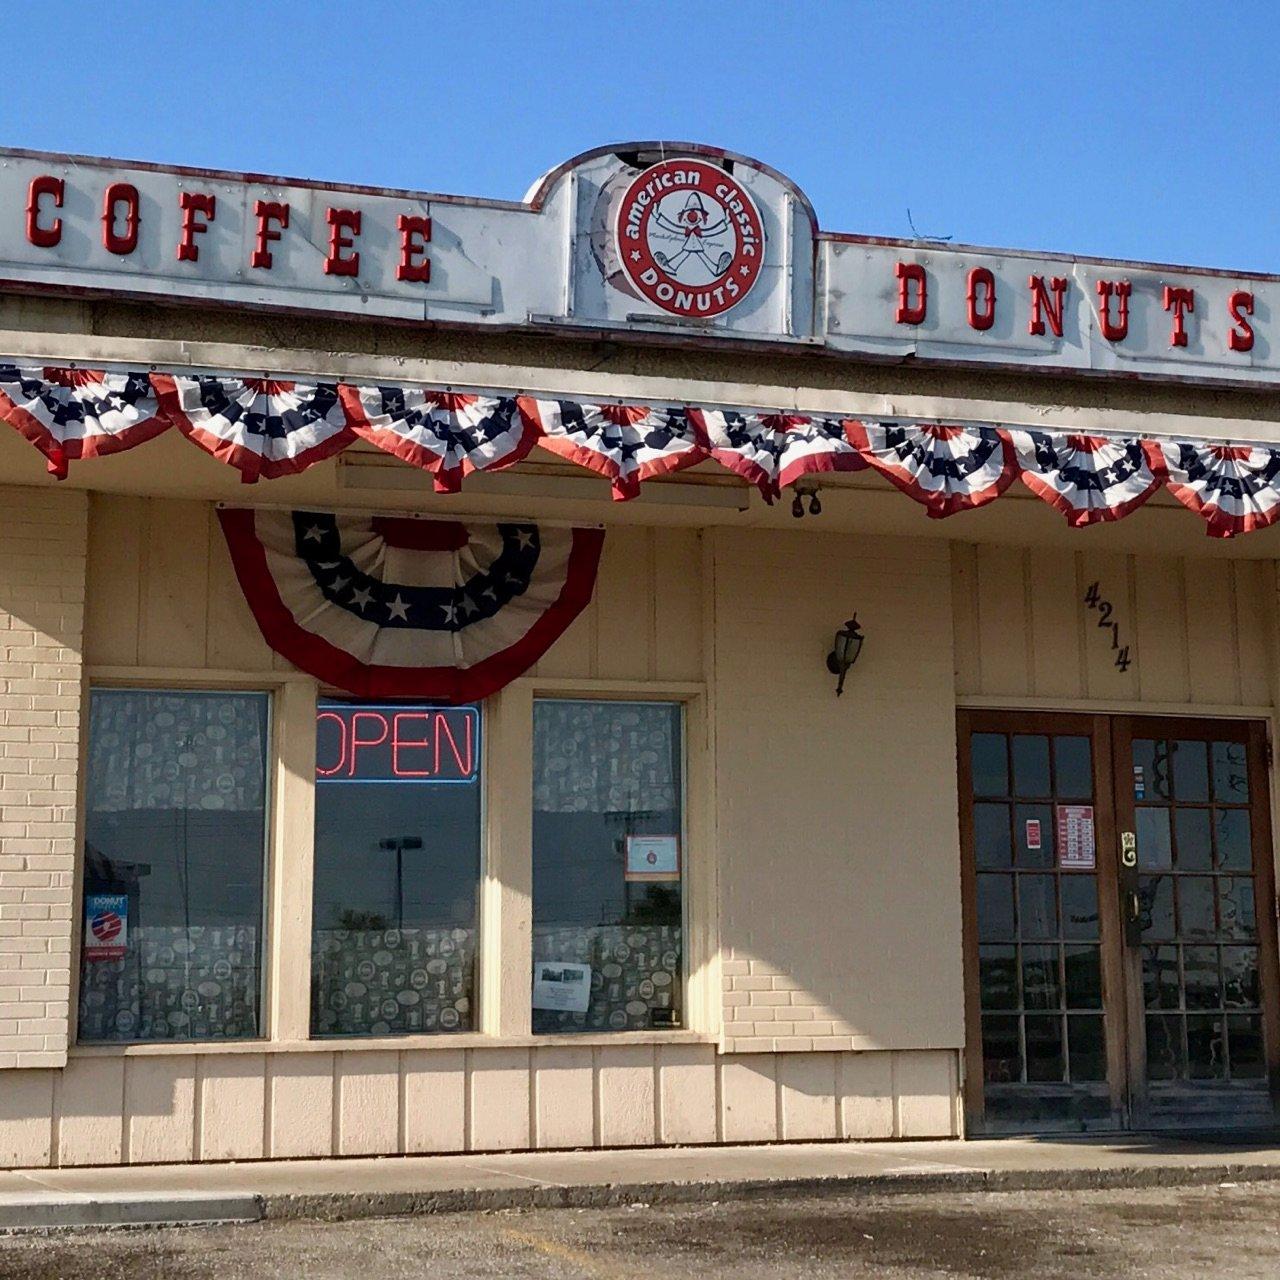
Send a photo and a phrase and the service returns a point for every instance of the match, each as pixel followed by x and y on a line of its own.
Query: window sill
pixel 398 1044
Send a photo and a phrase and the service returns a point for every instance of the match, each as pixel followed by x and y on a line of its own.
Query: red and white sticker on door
pixel 1076 850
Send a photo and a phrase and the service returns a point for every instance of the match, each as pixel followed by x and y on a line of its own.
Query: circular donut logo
pixel 690 238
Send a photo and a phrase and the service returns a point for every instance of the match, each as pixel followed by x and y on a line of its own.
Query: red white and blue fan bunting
pixel 1236 488
pixel 79 413
pixel 259 426
pixel 748 444
pixel 625 442
pixel 1088 478
pixel 399 607
pixel 447 433
pixel 812 445
pixel 946 468
pixel 268 428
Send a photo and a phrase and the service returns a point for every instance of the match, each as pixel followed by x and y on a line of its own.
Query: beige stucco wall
pixel 839 860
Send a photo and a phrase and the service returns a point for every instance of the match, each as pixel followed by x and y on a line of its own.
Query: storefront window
pixel 175 839
pixel 607 866
pixel 397 869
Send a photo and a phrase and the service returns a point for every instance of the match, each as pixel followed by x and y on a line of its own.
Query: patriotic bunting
pixel 947 469
pixel 1088 478
pixel 624 442
pixel 1236 488
pixel 748 444
pixel 443 432
pixel 257 425
pixel 400 607
pixel 267 428
pixel 79 413
pixel 813 445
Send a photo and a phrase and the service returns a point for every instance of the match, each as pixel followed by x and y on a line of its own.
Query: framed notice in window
pixel 652 858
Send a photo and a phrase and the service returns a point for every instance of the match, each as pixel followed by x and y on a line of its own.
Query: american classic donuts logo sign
pixel 690 238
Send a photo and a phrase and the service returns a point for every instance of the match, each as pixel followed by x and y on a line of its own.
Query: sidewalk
pixel 361 1188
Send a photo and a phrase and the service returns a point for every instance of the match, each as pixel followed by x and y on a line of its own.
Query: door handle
pixel 1131 908
pixel 1128 849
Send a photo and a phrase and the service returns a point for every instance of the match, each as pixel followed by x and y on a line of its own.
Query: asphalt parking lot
pixel 1228 1230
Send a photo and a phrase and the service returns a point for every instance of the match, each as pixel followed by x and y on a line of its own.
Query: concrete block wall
pixel 43 539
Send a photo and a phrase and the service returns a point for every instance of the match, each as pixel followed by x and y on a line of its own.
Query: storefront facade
pixel 601 859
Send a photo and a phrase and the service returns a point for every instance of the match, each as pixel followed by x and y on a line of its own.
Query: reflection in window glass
pixel 998 977
pixel 175 838
pixel 1191 771
pixel 990 755
pixel 397 869
pixel 991 835
pixel 1030 765
pixel 607 866
pixel 1073 767
pixel 1037 907
pixel 1155 851
pixel 1230 773
pixel 1151 772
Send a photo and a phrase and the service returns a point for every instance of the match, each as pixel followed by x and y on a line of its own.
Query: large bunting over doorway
pixel 400 607
pixel 265 427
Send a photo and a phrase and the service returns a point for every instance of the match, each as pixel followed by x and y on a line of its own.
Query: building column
pixel 43 543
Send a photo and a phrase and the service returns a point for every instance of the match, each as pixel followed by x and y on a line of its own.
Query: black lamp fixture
pixel 844 652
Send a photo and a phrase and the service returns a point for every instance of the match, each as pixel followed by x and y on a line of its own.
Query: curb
pixel 346 1206
pixel 52 1211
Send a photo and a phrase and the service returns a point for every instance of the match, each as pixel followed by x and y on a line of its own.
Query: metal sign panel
pixel 666 238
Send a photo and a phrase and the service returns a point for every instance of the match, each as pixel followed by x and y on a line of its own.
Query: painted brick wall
pixel 42 573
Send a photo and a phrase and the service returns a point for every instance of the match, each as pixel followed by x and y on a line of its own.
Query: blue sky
pixel 1119 129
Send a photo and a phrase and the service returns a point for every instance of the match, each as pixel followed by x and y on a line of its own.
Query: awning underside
pixel 269 427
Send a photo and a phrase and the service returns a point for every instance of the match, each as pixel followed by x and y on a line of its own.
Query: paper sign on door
pixel 1076 851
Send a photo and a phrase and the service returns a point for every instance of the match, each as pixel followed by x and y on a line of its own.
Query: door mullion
pixel 1265 905
pixel 1130 957
pixel 1115 976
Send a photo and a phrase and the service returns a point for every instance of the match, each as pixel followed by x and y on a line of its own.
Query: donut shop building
pixel 622 667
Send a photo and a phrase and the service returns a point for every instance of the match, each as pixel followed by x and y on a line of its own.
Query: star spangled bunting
pixel 269 427
pixel 813 445
pixel 623 442
pixel 1088 478
pixel 748 444
pixel 1235 488
pixel 946 468
pixel 399 607
pixel 79 413
pixel 262 427
pixel 449 434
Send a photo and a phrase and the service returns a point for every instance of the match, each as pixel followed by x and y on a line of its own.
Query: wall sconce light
pixel 844 652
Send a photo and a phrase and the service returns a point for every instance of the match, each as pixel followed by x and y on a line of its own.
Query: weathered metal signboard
pixel 661 238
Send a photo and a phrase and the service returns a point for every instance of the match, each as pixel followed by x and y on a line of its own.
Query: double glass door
pixel 1119 922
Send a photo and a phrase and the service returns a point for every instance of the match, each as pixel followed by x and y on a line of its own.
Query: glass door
pixel 1198 903
pixel 1044 1022
pixel 1120 923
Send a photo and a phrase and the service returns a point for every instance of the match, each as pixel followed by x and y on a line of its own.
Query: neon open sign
pixel 372 743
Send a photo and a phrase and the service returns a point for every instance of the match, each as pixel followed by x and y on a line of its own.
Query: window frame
pixel 700 959
pixel 410 1039
pixel 94 680
pixel 503 965
pixel 653 699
